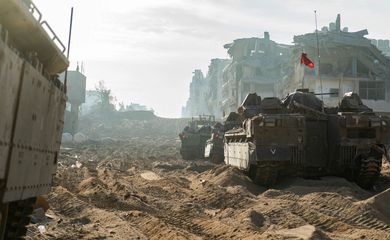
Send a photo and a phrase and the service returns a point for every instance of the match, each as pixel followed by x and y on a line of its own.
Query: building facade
pixel 348 62
pixel 197 101
pixel 344 62
pixel 257 65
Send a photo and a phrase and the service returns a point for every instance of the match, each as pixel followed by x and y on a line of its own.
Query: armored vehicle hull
pixel 257 149
pixel 32 103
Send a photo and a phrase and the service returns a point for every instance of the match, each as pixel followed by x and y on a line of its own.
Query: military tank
pixel 297 136
pixel 32 103
pixel 194 136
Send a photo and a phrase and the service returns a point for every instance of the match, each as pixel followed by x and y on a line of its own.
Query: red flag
pixel 305 60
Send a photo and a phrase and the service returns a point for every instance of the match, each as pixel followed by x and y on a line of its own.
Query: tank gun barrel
pixel 330 93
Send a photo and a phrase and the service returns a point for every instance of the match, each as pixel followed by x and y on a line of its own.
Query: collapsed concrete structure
pixel 349 62
pixel 196 103
pixel 215 81
pixel 206 92
pixel 257 64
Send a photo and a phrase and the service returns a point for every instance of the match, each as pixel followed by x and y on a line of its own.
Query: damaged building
pixel 348 62
pixel 214 80
pixel 206 92
pixel 383 45
pixel 257 64
pixel 197 101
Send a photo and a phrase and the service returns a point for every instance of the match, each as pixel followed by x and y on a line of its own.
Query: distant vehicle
pixel 214 150
pixel 194 136
pixel 299 137
pixel 32 103
pixel 214 146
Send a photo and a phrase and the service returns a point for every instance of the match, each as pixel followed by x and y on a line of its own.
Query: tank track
pixel 215 157
pixel 368 172
pixel 188 155
pixel 334 207
pixel 264 174
pixel 18 218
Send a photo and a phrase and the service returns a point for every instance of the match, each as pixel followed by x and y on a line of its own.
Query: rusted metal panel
pixel 37 137
pixel 10 68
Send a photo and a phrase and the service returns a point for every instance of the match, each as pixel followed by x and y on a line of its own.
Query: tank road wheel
pixel 368 171
pixel 18 218
pixel 264 174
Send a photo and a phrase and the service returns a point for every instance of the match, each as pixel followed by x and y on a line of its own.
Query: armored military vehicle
pixel 299 137
pixel 214 150
pixel 362 137
pixel 32 103
pixel 270 139
pixel 214 146
pixel 194 136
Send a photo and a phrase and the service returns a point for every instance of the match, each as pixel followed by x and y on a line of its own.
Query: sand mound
pixel 90 186
pixel 151 176
pixel 381 203
pixel 253 219
pixel 134 184
pixel 227 176
pixel 306 232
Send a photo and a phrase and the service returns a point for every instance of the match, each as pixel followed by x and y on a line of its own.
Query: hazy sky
pixel 146 50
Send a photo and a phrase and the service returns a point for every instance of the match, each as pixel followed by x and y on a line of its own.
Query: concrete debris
pixel 42 229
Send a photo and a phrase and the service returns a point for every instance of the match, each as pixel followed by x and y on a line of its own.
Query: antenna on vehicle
pixel 68 50
pixel 318 53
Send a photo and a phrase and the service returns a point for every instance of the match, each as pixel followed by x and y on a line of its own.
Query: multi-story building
pixel 344 62
pixel 206 92
pixel 348 62
pixel 214 80
pixel 197 101
pixel 257 65
pixel 383 45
